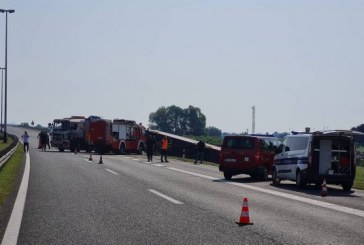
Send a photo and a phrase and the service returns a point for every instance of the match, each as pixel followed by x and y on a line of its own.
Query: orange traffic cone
pixel 100 161
pixel 324 188
pixel 244 216
pixel 90 159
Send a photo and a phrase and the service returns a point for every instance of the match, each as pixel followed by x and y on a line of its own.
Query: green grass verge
pixel 359 178
pixel 2 145
pixel 9 172
pixel 360 149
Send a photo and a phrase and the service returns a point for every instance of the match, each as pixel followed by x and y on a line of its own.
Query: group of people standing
pixel 43 140
pixel 151 145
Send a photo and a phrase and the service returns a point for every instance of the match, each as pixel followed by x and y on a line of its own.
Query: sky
pixel 300 63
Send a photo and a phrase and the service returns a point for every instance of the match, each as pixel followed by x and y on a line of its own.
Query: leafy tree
pixel 195 121
pixel 213 131
pixel 360 128
pixel 173 119
pixel 25 125
pixel 359 139
pixel 158 119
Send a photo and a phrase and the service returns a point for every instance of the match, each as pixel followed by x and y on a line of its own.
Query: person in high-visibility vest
pixel 164 148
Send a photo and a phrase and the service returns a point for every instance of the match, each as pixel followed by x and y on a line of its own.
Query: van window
pixel 296 143
pixel 239 143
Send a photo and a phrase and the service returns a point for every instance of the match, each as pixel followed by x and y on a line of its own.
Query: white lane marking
pixel 158 165
pixel 127 157
pixel 135 159
pixel 113 172
pixel 194 174
pixel 335 207
pixel 12 230
pixel 165 197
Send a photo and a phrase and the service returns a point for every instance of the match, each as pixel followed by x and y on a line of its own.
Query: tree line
pixel 188 121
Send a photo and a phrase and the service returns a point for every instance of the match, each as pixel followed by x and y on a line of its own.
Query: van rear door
pixel 333 156
pixel 238 151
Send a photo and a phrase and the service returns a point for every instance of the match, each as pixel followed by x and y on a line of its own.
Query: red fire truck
pixel 119 136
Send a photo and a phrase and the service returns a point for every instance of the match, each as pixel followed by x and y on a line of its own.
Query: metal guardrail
pixel 9 151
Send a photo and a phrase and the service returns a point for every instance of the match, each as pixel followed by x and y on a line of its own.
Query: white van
pixel 311 157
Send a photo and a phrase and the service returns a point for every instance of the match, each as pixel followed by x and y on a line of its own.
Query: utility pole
pixel 253 120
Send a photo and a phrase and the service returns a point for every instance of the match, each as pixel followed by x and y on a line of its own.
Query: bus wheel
pixel 140 150
pixel 122 149
pixel 228 175
pixel 275 178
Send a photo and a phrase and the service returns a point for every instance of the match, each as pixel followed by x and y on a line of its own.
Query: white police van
pixel 311 157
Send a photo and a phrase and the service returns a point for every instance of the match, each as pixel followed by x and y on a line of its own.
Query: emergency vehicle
pixel 68 133
pixel 307 157
pixel 119 136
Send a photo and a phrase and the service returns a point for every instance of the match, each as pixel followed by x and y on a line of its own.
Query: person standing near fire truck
pixel 164 149
pixel 150 147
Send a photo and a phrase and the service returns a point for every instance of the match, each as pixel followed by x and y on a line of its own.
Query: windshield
pixel 239 143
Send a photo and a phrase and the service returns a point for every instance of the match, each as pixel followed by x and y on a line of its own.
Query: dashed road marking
pixel 158 165
pixel 165 197
pixel 113 172
pixel 194 174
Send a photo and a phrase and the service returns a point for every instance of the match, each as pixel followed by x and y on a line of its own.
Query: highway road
pixel 127 200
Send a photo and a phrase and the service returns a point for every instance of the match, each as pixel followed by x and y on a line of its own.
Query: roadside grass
pixel 2 145
pixel 360 149
pixel 359 178
pixel 9 172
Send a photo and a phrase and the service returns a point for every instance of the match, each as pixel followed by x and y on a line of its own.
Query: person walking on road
pixel 164 148
pixel 150 147
pixel 200 151
pixel 25 138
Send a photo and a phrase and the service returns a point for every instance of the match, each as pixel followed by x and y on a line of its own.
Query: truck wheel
pixel 275 177
pixel 228 175
pixel 347 186
pixel 122 149
pixel 264 174
pixel 140 150
pixel 300 182
pixel 254 176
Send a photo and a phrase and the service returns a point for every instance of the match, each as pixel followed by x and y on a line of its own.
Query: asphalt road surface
pixel 127 200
